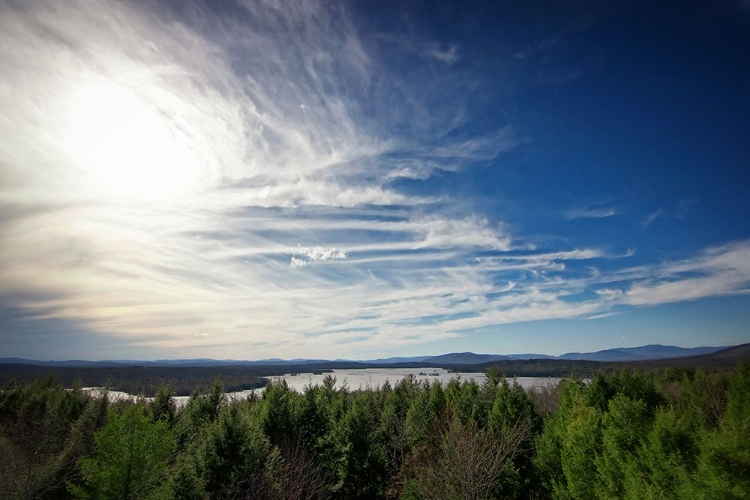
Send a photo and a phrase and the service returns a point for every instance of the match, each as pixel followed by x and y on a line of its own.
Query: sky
pixel 300 179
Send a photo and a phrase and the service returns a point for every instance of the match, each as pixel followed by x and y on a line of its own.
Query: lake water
pixel 358 379
pixel 376 377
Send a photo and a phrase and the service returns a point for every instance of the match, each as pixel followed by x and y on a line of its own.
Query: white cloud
pixel 652 217
pixel 590 212
pixel 320 253
pixel 610 294
pixel 108 250
pixel 316 253
pixel 448 56
pixel 273 130
pixel 602 316
pixel 297 262
pixel 722 270
pixel 472 231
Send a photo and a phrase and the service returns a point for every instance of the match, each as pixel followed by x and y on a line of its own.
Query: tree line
pixel 146 380
pixel 680 433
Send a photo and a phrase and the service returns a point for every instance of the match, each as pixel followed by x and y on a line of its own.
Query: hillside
pixel 646 352
pixel 464 358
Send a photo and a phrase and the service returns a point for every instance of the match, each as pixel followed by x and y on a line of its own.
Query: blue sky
pixel 287 179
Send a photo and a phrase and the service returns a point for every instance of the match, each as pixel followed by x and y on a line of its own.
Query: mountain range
pixel 641 353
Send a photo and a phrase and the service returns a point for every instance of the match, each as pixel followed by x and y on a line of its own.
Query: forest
pixel 676 433
pixel 146 381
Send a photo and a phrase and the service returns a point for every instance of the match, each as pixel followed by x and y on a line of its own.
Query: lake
pixel 376 377
pixel 359 379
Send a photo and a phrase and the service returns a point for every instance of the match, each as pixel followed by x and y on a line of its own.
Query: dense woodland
pixel 146 381
pixel 679 433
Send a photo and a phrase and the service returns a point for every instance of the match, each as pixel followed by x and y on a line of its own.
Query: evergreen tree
pixel 130 460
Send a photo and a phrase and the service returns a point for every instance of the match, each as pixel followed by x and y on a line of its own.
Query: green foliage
pixel 620 437
pixel 236 459
pixel 623 427
pixel 130 460
pixel 580 444
pixel 698 393
pixel 81 442
pixel 163 406
pixel 393 424
pixel 279 420
pixel 361 457
pixel 625 434
pixel 513 421
pixel 549 444
pixel 724 462
pixel 738 404
pixel 39 434
pixel 425 412
pixel 314 421
pixel 635 385
pixel 663 464
pixel 185 482
pixel 200 410
pixel 510 407
pixel 466 403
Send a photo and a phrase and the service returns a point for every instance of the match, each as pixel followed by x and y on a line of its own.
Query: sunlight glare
pixel 125 147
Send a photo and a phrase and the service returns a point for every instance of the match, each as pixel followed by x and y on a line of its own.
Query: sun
pixel 124 146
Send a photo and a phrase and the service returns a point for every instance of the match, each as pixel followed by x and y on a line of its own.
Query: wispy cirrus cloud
pixel 652 217
pixel 449 56
pixel 680 211
pixel 721 270
pixel 590 212
pixel 202 116
pixel 164 169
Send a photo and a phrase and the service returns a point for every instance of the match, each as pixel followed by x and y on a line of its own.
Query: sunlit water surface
pixel 354 379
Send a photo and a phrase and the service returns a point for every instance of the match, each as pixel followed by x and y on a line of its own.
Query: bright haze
pixel 272 178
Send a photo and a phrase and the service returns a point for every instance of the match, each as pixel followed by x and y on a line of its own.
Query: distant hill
pixel 642 353
pixel 137 377
pixel 530 356
pixel 228 362
pixel 397 359
pixel 464 358
pixel 192 363
pixel 61 364
pixel 620 354
pixel 732 353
